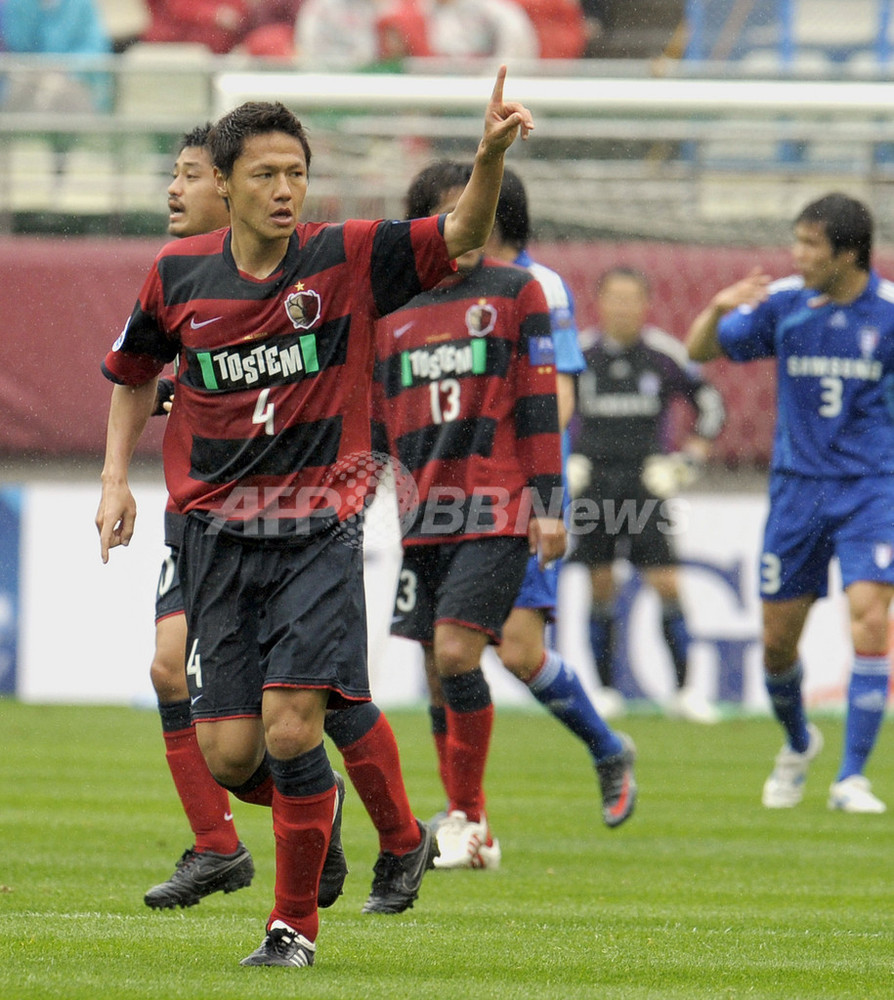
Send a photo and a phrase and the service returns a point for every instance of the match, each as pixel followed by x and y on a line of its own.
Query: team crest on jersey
pixel 117 345
pixel 883 554
pixel 303 307
pixel 838 320
pixel 869 338
pixel 480 319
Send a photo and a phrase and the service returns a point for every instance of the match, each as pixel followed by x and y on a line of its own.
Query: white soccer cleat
pixel 785 786
pixel 609 703
pixel 853 795
pixel 488 856
pixel 465 844
pixel 691 705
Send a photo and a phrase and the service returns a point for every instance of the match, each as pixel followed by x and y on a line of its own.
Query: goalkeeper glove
pixel 666 475
pixel 578 471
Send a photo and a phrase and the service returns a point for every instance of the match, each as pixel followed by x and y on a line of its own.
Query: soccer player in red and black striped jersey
pixel 272 325
pixel 466 401
pixel 217 861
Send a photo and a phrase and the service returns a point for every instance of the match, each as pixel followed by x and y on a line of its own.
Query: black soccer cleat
pixel 282 946
pixel 199 874
pixel 396 880
pixel 618 784
pixel 335 867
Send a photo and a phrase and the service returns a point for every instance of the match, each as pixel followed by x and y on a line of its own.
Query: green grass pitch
pixel 702 894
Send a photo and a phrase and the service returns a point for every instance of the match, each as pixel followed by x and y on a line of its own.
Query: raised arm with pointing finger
pixel 470 223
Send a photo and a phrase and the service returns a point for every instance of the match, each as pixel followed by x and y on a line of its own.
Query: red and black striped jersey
pixel 465 396
pixel 273 376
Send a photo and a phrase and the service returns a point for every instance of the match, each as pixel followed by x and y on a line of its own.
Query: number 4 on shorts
pixel 194 664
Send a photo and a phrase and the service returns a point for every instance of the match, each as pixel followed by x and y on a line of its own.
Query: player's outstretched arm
pixel 129 410
pixel 701 341
pixel 470 223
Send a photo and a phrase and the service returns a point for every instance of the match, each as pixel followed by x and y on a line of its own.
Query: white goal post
pixel 572 96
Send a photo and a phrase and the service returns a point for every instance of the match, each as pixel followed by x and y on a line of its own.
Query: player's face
pixel 470 259
pixel 267 187
pixel 814 259
pixel 623 304
pixel 193 202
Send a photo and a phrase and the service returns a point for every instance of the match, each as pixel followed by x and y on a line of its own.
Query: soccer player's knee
pixel 517 658
pixel 780 652
pixel 168 677
pixel 456 657
pixel 227 769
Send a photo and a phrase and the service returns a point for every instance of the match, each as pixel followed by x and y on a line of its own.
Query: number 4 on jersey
pixel 263 412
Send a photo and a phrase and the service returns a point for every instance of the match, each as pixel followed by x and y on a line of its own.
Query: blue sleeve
pixel 747 334
pixel 569 357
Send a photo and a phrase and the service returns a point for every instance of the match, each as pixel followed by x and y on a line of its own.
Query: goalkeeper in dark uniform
pixel 634 372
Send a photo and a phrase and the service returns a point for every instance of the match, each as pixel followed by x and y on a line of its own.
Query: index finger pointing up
pixel 497 96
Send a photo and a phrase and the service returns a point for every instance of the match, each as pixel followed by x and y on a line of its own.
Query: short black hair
pixel 512 218
pixel 624 271
pixel 228 135
pixel 847 222
pixel 430 185
pixel 197 137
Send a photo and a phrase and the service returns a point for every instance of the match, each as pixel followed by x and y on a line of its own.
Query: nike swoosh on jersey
pixel 401 330
pixel 204 322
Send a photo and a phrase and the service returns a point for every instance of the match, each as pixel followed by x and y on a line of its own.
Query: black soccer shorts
pixel 472 583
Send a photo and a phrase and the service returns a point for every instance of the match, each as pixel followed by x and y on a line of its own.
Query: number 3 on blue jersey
pixel 832 389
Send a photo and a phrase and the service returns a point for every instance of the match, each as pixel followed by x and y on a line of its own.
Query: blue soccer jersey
pixel 835 370
pixel 569 357
pixel 539 588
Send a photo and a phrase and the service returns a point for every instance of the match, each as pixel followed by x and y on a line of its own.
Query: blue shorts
pixel 539 588
pixel 813 520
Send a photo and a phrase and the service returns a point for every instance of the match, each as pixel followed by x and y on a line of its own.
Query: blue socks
pixel 558 688
pixel 788 705
pixel 867 696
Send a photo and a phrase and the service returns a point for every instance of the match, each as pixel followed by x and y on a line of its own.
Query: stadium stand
pixel 43 416
pixel 807 36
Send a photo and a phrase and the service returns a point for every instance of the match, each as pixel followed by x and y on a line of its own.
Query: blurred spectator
pixel 219 24
pixel 402 32
pixel 64 27
pixel 597 24
pixel 339 33
pixel 475 28
pixel 124 20
pixel 358 34
pixel 560 26
pixel 271 32
pixel 619 29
